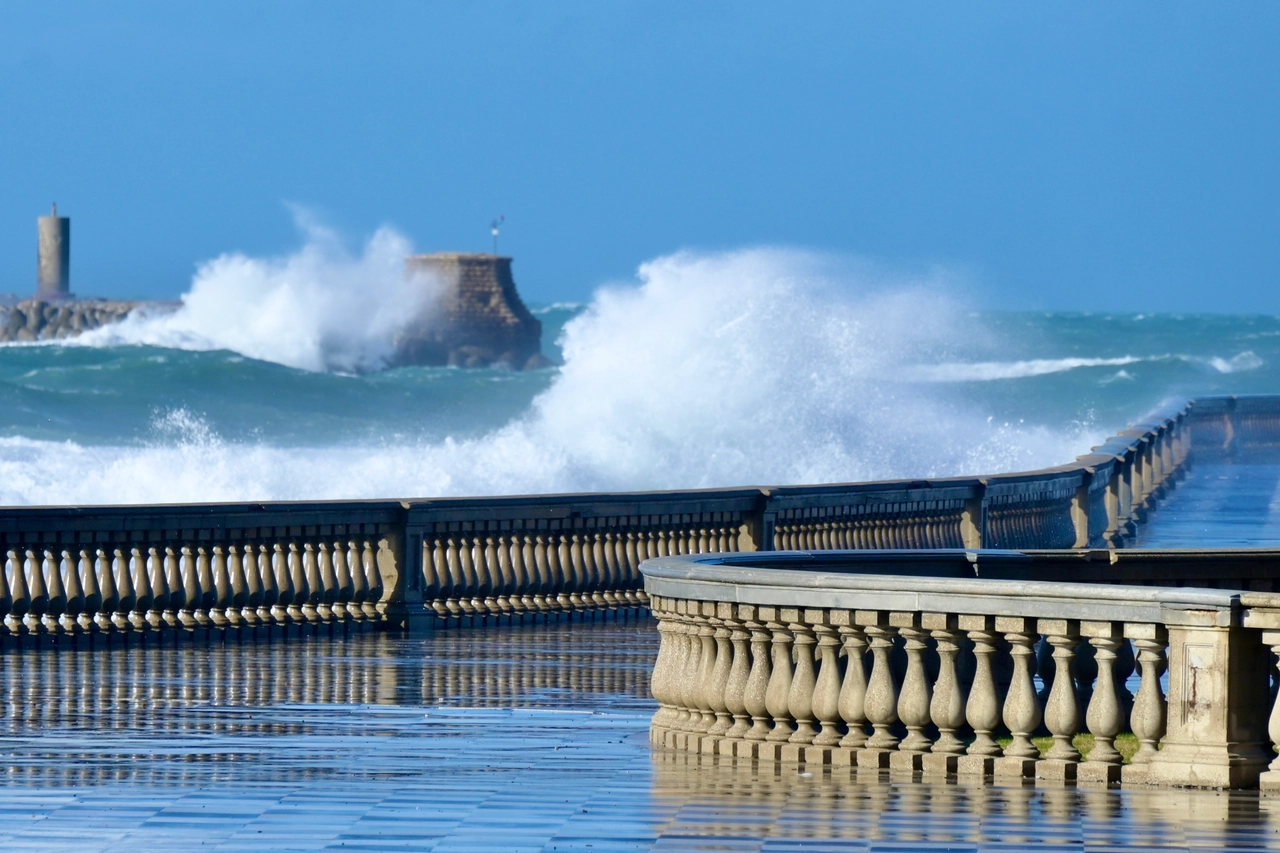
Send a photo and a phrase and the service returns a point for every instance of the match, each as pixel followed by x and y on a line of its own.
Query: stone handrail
pixel 799 657
pixel 451 561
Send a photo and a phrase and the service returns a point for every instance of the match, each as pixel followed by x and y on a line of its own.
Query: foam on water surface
pixel 758 366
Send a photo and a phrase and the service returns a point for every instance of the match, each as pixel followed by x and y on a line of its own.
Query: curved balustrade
pixel 920 662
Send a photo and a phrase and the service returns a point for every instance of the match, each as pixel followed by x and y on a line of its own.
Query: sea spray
pixel 750 367
pixel 320 308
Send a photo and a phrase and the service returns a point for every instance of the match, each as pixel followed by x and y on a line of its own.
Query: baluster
pixel 6 596
pixel 685 671
pixel 1021 706
pixel 739 674
pixel 374 579
pixel 73 607
pixel 881 703
pixel 298 583
pixel 244 609
pixel 178 611
pixel 156 616
pixel 344 595
pixel 718 685
pixel 109 601
pixel 826 692
pixel 523 581
pixel 946 709
pixel 1104 717
pixel 1061 710
pixel 779 679
pixel 760 676
pixel 1148 717
pixel 218 611
pixel 491 580
pixel 90 596
pixel 542 565
pixel 144 596
pixel 803 680
pixel 466 565
pixel 282 612
pixel 314 586
pixel 455 583
pixel 705 718
pixel 853 689
pixel 127 595
pixel 508 598
pixel 660 682
pixel 915 697
pixel 267 577
pixel 607 561
pixel 51 567
pixel 360 581
pixel 631 576
pixel 563 566
pixel 982 709
pixel 14 567
pixel 328 584
pixel 187 579
pixel 578 580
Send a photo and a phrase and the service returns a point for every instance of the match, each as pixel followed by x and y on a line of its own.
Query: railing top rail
pixel 925 581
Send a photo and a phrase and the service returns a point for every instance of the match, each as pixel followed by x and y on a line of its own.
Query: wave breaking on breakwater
pixel 320 308
pixel 761 366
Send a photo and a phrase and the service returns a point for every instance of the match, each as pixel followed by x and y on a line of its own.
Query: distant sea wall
pixel 38 320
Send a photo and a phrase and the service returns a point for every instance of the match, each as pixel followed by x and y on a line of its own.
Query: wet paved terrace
pixel 1218 506
pixel 525 738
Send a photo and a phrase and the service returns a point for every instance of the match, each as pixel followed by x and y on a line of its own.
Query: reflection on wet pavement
pixel 489 739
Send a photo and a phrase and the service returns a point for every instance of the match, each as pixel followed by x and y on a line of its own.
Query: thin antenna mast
pixel 493 229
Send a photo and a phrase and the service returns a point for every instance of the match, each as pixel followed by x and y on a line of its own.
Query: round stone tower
pixel 53 261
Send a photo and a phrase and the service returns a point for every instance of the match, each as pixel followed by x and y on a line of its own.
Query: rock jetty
pixel 38 320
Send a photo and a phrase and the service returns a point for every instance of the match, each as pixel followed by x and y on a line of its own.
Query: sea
pixel 756 366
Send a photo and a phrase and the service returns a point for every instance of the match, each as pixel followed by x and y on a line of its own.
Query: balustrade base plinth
pixel 979 766
pixel 1010 767
pixel 940 764
pixel 1205 775
pixel 875 759
pixel 1097 775
pixel 906 762
pixel 1056 770
pixel 1269 782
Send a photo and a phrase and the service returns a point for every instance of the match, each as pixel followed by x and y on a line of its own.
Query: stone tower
pixel 53 261
pixel 478 318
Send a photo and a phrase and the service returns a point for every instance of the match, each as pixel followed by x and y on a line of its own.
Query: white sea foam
pixel 759 366
pixel 320 308
pixel 986 371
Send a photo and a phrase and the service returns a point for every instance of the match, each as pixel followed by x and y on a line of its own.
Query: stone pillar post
pixel 400 606
pixel 1216 727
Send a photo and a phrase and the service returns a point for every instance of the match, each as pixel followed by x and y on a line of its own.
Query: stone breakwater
pixel 37 320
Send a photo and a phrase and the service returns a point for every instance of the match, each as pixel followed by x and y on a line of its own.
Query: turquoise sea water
pixel 697 375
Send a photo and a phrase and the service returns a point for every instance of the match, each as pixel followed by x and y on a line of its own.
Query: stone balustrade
pixel 176 583
pixel 461 561
pixel 920 662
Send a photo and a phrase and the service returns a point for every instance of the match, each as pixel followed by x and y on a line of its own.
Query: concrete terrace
pixel 491 739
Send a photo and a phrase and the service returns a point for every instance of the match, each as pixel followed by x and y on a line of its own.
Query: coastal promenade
pixel 486 673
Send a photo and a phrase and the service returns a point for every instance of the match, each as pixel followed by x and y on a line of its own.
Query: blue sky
pixel 1107 156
